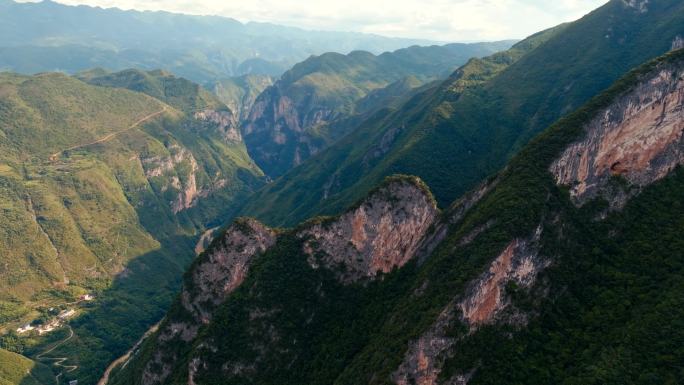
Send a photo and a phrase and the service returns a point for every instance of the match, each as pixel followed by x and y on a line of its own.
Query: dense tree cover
pixel 606 310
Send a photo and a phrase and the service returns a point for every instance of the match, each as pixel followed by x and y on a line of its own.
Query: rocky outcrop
pixel 483 303
pixel 640 5
pixel 224 267
pixel 277 130
pixel 382 233
pixel 224 122
pixel 677 43
pixel 216 274
pixel 423 361
pixel 486 297
pixel 635 141
pixel 188 191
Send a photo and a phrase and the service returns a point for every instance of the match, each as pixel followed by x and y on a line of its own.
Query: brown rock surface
pixel 214 276
pixel 639 138
pixel 382 233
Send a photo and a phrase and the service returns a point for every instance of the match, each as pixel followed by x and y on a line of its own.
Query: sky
pixel 439 20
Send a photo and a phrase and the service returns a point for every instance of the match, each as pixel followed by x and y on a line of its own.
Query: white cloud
pixel 443 20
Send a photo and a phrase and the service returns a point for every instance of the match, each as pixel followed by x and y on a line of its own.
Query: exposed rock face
pixel 677 43
pixel 276 130
pixel 158 166
pixel 484 301
pixel 422 363
pixel 384 232
pixel 486 298
pixel 168 167
pixel 214 276
pixel 224 268
pixel 226 123
pixel 638 139
pixel 639 5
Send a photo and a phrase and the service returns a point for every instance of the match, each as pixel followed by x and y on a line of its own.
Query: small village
pixel 56 322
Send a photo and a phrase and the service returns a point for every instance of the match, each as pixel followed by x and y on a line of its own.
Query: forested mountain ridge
pixel 566 266
pixel 288 122
pixel 453 138
pixel 92 193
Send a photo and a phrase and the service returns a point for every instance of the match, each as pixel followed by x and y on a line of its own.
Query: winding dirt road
pixel 124 359
pixel 109 137
pixel 58 361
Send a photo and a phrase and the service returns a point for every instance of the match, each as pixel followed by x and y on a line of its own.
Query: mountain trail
pixel 58 361
pixel 124 359
pixel 108 137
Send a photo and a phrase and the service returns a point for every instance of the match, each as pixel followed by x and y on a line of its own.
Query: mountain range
pixel 92 193
pixel 49 36
pixel 485 213
pixel 289 121
pixel 459 131
pixel 553 270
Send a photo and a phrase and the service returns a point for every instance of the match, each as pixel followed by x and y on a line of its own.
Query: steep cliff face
pixel 383 233
pixel 240 93
pixel 637 137
pixel 216 273
pixel 102 183
pixel 483 303
pixel 177 174
pixel 486 298
pixel 225 122
pixel 276 130
pixel 638 140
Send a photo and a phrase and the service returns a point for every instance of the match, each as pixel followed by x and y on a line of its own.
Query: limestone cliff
pixel 210 280
pixel 225 122
pixel 635 141
pixel 382 233
pixel 483 303
pixel 277 129
pixel 178 173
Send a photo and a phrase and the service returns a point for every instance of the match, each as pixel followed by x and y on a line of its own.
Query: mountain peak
pixel 381 232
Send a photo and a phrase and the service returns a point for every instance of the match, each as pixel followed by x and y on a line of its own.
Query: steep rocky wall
pixel 638 139
pixel 276 131
pixel 677 43
pixel 216 274
pixel 382 233
pixel 168 167
pixel 483 303
pixel 224 121
pixel 224 268
pixel 486 297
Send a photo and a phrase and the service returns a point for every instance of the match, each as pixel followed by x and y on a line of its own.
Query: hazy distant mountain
pixel 48 36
